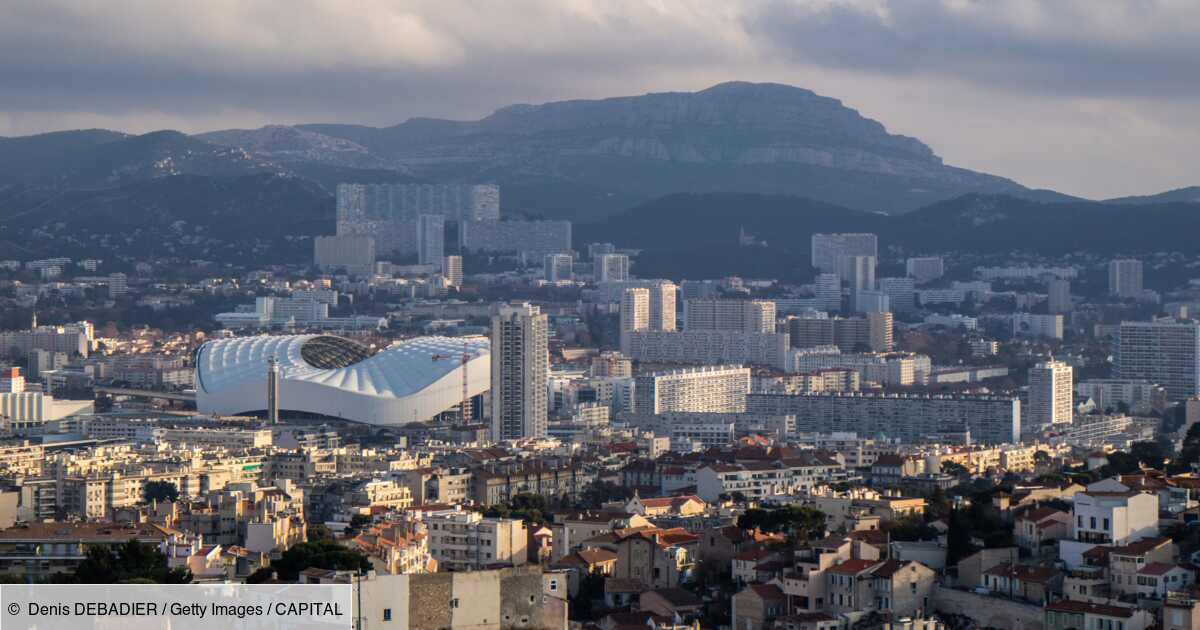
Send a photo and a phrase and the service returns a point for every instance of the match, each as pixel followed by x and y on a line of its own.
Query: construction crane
pixel 466 397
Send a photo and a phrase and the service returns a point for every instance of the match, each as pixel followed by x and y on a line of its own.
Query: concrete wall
pixel 988 611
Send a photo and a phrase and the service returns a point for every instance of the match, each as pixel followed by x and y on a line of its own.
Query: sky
pixel 1096 98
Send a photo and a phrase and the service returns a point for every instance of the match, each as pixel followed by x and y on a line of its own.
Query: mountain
pixel 576 159
pixel 98 159
pixel 285 144
pixel 1190 194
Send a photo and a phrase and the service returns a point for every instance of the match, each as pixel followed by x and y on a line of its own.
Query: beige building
pixel 466 541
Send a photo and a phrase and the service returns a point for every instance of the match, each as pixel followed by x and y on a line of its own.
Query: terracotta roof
pixel 768 591
pixel 595 556
pixel 1037 515
pixel 1156 568
pixel 1140 547
pixel 623 585
pixel 753 555
pixel 888 568
pixel 852 567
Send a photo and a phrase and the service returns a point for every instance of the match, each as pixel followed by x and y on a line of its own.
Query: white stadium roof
pixel 410 381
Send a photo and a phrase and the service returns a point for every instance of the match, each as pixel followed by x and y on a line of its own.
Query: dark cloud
pixel 1091 98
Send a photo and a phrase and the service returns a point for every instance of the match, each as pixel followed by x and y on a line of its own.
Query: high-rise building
pixel 924 269
pixel 611 267
pixel 557 267
pixel 118 285
pixel 520 370
pixel 1058 296
pixel 388 212
pixel 1125 278
pixel 712 389
pixel 452 268
pixel 529 238
pixel 901 293
pixel 1037 325
pixel 1051 394
pixel 872 332
pixel 611 365
pixel 431 239
pixel 1166 352
pixel 858 272
pixel 635 314
pixel 828 290
pixel 354 254
pixel 753 316
pixel 828 249
pixel 872 302
pixel 663 297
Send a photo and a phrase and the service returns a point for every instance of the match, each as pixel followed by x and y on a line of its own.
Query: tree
pixel 1149 454
pixel 160 491
pixel 321 554
pixel 131 561
pixel 955 469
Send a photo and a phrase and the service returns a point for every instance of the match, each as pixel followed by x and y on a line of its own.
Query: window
pixel 554 586
pixel 387 614
pixel 1080 522
pixel 454 603
pixel 1105 524
pixel 1093 522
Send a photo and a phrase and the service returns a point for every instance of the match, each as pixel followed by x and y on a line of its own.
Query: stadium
pixel 334 377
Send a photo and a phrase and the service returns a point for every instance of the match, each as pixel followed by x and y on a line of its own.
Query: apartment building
pixel 1166 352
pixel 749 316
pixel 467 541
pixel 907 417
pixel 720 389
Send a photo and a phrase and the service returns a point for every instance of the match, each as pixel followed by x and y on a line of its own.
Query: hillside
pixel 582 158
pixel 696 235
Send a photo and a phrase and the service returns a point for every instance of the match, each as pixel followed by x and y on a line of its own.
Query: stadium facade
pixel 327 376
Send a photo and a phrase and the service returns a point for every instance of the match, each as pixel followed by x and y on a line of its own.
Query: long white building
pixel 324 375
pixel 709 347
pixel 1051 399
pixel 907 417
pixel 710 389
pixel 1166 352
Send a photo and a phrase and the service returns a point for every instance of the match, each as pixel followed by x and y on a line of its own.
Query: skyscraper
pixel 431 239
pixel 1166 352
pixel 663 297
pixel 1051 394
pixel 828 289
pixel 901 293
pixel 1058 296
pixel 1125 278
pixel 452 268
pixel 635 314
pixel 610 268
pixel 520 370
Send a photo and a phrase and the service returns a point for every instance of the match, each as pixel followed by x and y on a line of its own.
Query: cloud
pixel 1090 98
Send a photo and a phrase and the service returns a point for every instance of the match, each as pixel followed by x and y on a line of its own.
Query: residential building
pixel 1108 513
pixel 452 268
pixel 520 368
pixel 1165 352
pixel 354 254
pixel 907 417
pixel 464 540
pixel 529 238
pixel 557 268
pixel 431 240
pixel 827 250
pixel 1051 399
pixel 1037 326
pixel 749 316
pixel 924 269
pixel 901 294
pixel 610 267
pixel 1125 278
pixel 707 389
pixel 1058 296
pixel 709 347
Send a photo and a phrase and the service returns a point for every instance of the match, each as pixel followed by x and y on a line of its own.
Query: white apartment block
pixel 557 268
pixel 709 347
pixel 635 314
pixel 1058 296
pixel 520 370
pixel 1125 278
pixel 924 269
pixel 901 294
pixel 1051 399
pixel 718 389
pixel 355 254
pixel 72 339
pixel 610 268
pixel 1037 326
pixel 751 316
pixel 910 418
pixel 1140 396
pixel 431 240
pixel 758 481
pixel 883 368
pixel 452 268
pixel 466 541
pixel 1166 352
